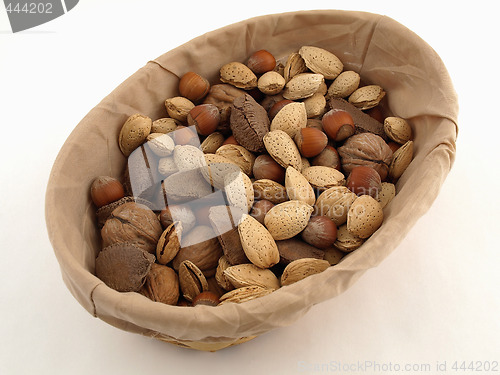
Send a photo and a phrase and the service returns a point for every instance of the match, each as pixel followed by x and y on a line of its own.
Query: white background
pixel 435 299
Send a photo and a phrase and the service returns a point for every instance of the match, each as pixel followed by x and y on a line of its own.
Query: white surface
pixel 434 299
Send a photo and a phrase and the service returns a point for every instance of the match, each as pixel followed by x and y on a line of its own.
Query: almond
pixel 397 129
pixel 297 187
pixel 344 85
pixel 291 118
pixel 269 190
pixel 294 65
pixel 335 203
pixel 239 190
pixel 212 143
pixel 346 241
pixel 258 244
pixel 322 178
pixel 302 86
pixel 187 157
pixel 367 97
pixel 301 268
pixel 239 155
pixel 400 160
pixel 282 149
pixel 271 83
pixel 364 217
pixel 243 275
pixel 386 193
pixel 315 105
pixel 216 168
pixel 238 75
pixel 321 61
pixel 133 133
pixel 287 219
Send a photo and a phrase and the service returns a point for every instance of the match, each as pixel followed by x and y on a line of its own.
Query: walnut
pixel 123 266
pixel 162 285
pixel 135 223
pixel 366 149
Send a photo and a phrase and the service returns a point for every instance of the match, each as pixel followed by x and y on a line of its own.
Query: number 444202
pixel 475 366
pixel 27 8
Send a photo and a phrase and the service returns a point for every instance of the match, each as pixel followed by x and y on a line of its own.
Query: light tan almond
pixel 161 144
pixel 305 163
pixel 367 97
pixel 301 268
pixel 249 274
pixel 258 244
pixel 239 191
pixel 167 166
pixel 282 149
pixel 216 168
pixel 244 294
pixel 169 243
pixel 178 108
pixel 187 157
pixel 335 203
pixel 346 241
pixel 164 125
pixel 133 133
pixel 271 83
pixel 269 190
pixel 322 178
pixel 321 61
pixel 212 143
pixel 344 85
pixel 315 105
pixel 287 219
pixel 302 86
pixel 298 188
pixel 294 65
pixel 238 75
pixel 221 279
pixel 386 194
pixel 364 217
pixel 239 155
pixel 397 129
pixel 291 118
pixel 400 160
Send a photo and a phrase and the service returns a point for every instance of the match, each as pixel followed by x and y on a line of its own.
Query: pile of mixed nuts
pixel 295 165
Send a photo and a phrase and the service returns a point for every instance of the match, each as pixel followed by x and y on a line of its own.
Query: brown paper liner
pixel 383 51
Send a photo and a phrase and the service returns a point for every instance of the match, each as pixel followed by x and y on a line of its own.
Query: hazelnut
pixel 184 136
pixel 329 157
pixel 260 209
pixel 206 298
pixel 261 61
pixel 265 167
pixel 376 113
pixel 205 117
pixel 105 190
pixel 320 232
pixel 193 86
pixel 364 180
pixel 276 107
pixel 338 124
pixel 230 141
pixel 310 141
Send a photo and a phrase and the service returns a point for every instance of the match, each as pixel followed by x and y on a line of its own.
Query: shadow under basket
pixel 380 49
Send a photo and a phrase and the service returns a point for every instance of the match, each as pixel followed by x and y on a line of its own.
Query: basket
pixel 383 51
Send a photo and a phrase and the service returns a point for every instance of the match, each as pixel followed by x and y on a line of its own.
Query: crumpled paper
pixel 383 51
